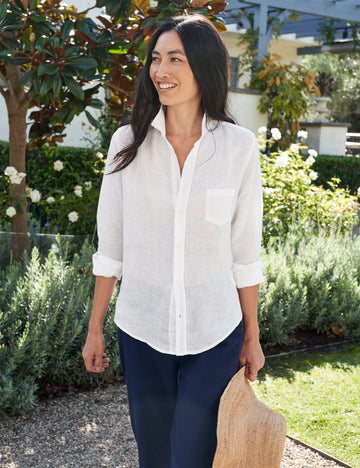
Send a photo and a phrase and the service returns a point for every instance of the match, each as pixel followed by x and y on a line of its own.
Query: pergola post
pixel 260 24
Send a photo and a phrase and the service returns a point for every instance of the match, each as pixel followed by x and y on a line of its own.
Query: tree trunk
pixel 17 103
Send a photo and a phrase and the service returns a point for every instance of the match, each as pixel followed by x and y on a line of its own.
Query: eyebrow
pixel 171 52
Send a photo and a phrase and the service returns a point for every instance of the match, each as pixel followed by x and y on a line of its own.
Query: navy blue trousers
pixel 174 400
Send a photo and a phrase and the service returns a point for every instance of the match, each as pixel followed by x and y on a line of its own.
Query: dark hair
pixel 209 62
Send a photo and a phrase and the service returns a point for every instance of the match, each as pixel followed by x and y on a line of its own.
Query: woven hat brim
pixel 250 435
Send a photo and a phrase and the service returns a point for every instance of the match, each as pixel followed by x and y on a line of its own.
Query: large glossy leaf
pixel 46 85
pixel 57 86
pixel 47 69
pixel 92 120
pixel 88 27
pixel 19 60
pixel 61 115
pixel 3 8
pixel 83 63
pixel 27 77
pixel 74 87
pixel 66 28
pixel 96 103
pixel 33 4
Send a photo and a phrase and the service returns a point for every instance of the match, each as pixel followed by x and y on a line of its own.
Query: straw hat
pixel 250 435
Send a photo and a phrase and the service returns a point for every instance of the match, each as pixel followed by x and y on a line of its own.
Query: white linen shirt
pixel 182 243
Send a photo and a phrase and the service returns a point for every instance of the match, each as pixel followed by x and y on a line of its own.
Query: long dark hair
pixel 209 62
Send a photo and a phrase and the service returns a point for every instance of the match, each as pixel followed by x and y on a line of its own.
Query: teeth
pixel 166 85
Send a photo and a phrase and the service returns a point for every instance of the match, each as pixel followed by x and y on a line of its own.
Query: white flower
pixel 54 248
pixel 16 179
pixel 10 171
pixel 302 134
pixel 88 185
pixel 58 165
pixel 11 211
pixel 276 134
pixel 62 197
pixel 294 148
pixel 99 155
pixel 313 175
pixel 78 191
pixel 50 199
pixel 268 190
pixel 28 191
pixel 35 196
pixel 358 191
pixel 310 160
pixel 312 153
pixel 283 159
pixel 262 130
pixel 73 217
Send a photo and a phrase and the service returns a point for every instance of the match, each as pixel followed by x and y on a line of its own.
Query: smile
pixel 166 85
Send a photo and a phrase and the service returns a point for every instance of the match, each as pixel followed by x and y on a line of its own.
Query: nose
pixel 162 70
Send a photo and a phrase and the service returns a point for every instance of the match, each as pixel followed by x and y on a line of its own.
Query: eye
pixel 175 59
pixel 155 59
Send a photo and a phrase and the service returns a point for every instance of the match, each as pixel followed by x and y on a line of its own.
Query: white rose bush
pixel 62 188
pixel 290 194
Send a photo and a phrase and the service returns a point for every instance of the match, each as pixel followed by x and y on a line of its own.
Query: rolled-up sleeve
pixel 108 260
pixel 246 227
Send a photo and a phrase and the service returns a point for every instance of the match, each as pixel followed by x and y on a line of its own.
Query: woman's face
pixel 171 73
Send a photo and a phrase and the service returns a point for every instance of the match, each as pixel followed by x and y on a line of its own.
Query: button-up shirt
pixel 182 243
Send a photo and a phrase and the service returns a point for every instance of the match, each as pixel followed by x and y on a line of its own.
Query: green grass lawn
pixel 319 394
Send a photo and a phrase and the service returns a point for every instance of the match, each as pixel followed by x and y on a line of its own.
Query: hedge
pixel 345 168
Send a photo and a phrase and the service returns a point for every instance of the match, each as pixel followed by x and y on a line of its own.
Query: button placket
pixel 179 249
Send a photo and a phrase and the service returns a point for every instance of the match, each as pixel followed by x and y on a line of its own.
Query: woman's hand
pixel 93 353
pixel 252 357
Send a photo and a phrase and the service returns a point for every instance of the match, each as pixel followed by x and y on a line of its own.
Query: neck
pixel 183 122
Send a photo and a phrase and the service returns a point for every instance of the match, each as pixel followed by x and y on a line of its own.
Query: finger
pixel 250 374
pixel 98 363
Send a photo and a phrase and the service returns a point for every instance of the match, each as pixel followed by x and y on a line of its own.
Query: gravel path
pixel 92 430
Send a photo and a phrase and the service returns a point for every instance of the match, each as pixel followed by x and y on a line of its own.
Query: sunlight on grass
pixel 319 394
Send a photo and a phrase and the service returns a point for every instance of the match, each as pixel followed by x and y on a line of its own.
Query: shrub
pixel 345 169
pixel 310 280
pixel 313 281
pixel 290 194
pixel 44 311
pixel 70 176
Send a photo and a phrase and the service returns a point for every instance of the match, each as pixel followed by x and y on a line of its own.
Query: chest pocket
pixel 219 205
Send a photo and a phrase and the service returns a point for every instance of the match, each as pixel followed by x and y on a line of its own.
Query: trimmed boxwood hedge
pixel 346 168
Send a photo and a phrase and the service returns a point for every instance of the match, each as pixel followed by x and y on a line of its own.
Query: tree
pixel 55 58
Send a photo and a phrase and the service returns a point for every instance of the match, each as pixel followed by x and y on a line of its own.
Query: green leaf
pixel 33 4
pixel 57 86
pixel 47 69
pixel 92 120
pixel 148 22
pixel 19 4
pixel 46 85
pixel 3 8
pixel 27 77
pixel 61 114
pixel 96 103
pixel 66 28
pixel 74 87
pixel 83 63
pixel 20 60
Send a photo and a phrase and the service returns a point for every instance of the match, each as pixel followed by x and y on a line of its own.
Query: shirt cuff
pixel 106 266
pixel 248 275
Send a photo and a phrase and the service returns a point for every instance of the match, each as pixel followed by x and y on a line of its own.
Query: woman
pixel 179 220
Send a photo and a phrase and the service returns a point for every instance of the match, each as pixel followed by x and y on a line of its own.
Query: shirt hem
pixel 161 350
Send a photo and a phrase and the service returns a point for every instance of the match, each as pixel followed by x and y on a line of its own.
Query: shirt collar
pixel 159 123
